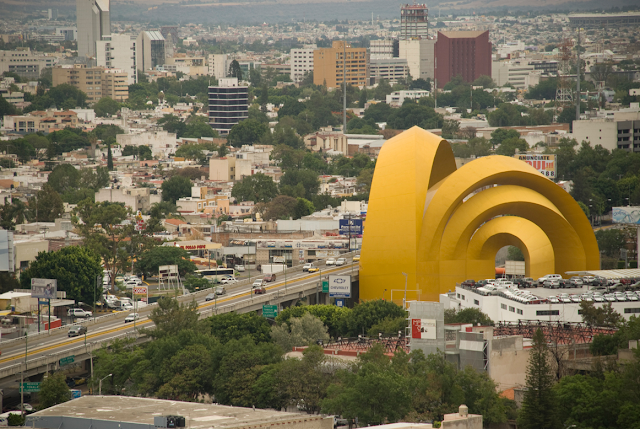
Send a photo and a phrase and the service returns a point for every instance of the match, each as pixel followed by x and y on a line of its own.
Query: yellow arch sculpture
pixel 440 225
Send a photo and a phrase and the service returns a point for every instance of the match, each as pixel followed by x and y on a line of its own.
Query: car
pixel 552 283
pixel 79 380
pixel 239 268
pixel 210 297
pixel 220 290
pixel 528 281
pixel 575 298
pixel 340 262
pixel 258 283
pixel 469 283
pixel 77 330
pixel 576 281
pixel 313 269
pixel 258 290
pixel 126 306
pixel 553 300
pixel 330 261
pixel 542 279
pixel 305 267
pixel 269 278
pixel 228 281
pixel 598 298
pixel 131 317
pixel 78 312
pixel 356 258
pixel 587 280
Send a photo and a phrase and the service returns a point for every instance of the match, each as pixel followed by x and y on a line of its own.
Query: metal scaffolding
pixel 554 332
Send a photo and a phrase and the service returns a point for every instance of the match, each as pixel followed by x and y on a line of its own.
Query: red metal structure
pixel 465 53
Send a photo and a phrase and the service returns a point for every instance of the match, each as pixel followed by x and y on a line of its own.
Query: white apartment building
pixel 395 99
pixel 381 49
pixel 25 63
pixel 301 62
pixel 94 22
pixel 162 143
pixel 136 198
pixel 118 51
pixel 391 69
pixel 218 65
pixel 518 73
pixel 420 56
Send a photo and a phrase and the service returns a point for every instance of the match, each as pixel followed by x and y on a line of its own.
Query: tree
pixel 171 317
pixel 12 213
pixel 46 206
pixel 604 316
pixel 109 158
pixel 76 268
pixel 249 132
pixel 468 315
pixel 303 180
pixel 235 70
pixel 368 313
pixel 103 229
pixel 281 207
pixel 176 188
pixel 143 152
pixel 303 207
pixel 53 390
pixel 539 408
pixel 301 331
pixel 258 188
pixel 106 106
pixel 611 241
pixel 233 326
pixel 64 178
pixel 508 147
pixel 150 260
pixel 484 81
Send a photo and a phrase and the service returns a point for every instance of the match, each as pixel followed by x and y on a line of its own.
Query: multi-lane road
pixel 101 330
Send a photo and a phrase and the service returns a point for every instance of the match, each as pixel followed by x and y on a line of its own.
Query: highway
pixel 105 328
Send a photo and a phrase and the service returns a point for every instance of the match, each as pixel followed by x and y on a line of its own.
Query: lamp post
pixel 404 300
pixel 100 384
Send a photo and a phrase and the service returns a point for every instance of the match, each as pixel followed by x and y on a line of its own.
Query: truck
pixel 272 268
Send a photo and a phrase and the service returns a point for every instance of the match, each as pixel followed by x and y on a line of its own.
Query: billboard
pixel 340 286
pixel 545 164
pixel 44 288
pixel 353 225
pixel 423 329
pixel 627 214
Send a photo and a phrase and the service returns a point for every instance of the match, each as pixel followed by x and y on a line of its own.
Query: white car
pixel 78 312
pixel 331 261
pixel 239 268
pixel 131 317
pixel 228 281
pixel 305 267
pixel 340 262
pixel 126 306
pixel 258 283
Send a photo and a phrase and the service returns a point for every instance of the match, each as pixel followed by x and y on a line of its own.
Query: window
pixel 463 297
pixel 547 312
pixel 503 306
pixel 476 302
pixel 519 311
pixel 631 310
pixel 458 295
pixel 512 309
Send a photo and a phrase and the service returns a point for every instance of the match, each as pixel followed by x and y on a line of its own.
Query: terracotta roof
pixel 508 394
pixel 176 222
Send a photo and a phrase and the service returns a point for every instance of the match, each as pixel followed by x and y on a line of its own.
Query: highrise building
pixel 329 65
pixel 228 104
pixel 149 50
pixel 465 53
pixel 93 21
pixel 96 82
pixel 118 51
pixel 414 21
pixel 383 49
pixel 218 65
pixel 301 62
pixel 420 56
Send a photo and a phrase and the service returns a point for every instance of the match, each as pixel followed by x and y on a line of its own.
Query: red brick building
pixel 466 53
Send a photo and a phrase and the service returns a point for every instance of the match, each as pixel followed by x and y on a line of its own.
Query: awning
pixel 608 274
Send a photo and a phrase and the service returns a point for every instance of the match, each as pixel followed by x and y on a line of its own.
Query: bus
pixel 215 274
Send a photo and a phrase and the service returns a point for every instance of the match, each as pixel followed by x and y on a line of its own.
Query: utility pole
pixel 578 79
pixel 404 300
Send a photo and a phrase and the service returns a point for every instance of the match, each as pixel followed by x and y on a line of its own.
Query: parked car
pixel 78 312
pixel 239 268
pixel 259 290
pixel 340 262
pixel 330 261
pixel 552 283
pixel 542 279
pixel 269 278
pixel 131 317
pixel 305 267
pixel 77 330
pixel 576 281
pixel 528 281
pixel 210 297
pixel 470 283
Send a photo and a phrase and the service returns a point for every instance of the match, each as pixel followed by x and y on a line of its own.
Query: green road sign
pixel 269 311
pixel 29 387
pixel 325 286
pixel 67 360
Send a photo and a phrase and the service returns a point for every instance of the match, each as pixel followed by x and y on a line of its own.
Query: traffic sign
pixel 270 311
pixel 325 286
pixel 67 360
pixel 29 387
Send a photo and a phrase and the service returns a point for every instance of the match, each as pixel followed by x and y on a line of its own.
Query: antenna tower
pixel 564 94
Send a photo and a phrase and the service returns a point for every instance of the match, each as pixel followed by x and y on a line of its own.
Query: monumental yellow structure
pixel 435 225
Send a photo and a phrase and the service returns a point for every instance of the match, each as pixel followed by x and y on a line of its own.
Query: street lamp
pixel 404 300
pixel 100 384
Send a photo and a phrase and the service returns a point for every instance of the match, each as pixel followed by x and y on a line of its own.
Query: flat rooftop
pixel 139 412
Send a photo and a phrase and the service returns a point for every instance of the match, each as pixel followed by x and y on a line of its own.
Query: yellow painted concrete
pixel 441 225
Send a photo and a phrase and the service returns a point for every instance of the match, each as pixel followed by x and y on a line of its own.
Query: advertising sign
pixel 340 286
pixel 140 290
pixel 629 215
pixel 44 288
pixel 140 226
pixel 545 164
pixel 353 225
pixel 423 329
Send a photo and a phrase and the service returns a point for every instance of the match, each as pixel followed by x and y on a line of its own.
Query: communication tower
pixel 564 93
pixel 414 21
